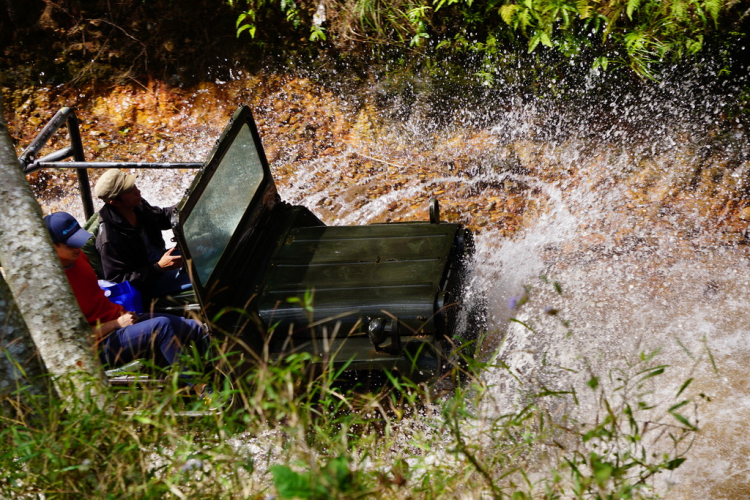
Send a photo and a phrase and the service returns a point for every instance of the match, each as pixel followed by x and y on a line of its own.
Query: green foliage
pixel 318 34
pixel 256 11
pixel 636 34
pixel 334 480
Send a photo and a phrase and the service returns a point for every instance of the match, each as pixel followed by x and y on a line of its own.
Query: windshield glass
pixel 215 216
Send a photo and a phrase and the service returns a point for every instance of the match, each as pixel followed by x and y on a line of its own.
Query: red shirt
pixel 95 306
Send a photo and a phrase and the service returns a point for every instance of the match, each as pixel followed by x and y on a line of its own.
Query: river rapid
pixel 635 204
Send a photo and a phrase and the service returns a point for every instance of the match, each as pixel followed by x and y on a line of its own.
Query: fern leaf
pixel 544 38
pixel 508 13
pixel 679 10
pixel 524 17
pixel 534 42
pixel 566 19
pixel 694 46
pixel 584 8
pixel 632 7
pixel 714 7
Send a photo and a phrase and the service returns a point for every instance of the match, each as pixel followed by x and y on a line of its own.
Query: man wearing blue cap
pixel 121 336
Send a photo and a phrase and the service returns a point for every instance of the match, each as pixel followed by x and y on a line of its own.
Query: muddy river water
pixel 642 224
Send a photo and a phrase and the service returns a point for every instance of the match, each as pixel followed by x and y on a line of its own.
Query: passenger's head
pixel 64 228
pixel 67 235
pixel 112 184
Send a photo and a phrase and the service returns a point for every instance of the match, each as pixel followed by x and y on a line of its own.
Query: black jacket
pixel 124 254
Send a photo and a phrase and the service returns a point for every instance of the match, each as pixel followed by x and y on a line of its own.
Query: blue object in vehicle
pixel 123 294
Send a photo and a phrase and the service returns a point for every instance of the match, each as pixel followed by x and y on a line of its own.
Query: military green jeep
pixel 375 297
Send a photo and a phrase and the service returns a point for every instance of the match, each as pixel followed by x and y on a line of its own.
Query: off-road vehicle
pixel 373 297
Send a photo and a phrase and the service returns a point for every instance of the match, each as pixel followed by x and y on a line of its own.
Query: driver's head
pixel 112 184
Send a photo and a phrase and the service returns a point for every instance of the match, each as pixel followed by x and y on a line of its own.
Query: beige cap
pixel 112 183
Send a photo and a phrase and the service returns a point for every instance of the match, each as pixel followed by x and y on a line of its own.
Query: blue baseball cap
pixel 64 228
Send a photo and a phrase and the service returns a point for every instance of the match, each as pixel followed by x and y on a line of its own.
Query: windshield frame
pixel 264 197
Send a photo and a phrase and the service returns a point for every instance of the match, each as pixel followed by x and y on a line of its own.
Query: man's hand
pixel 169 261
pixel 126 319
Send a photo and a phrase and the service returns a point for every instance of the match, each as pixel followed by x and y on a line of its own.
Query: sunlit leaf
pixel 601 62
pixel 508 12
pixel 684 386
pixel 249 27
pixel 632 6
pixel 673 464
pixel 584 8
pixel 683 420
pixel 714 7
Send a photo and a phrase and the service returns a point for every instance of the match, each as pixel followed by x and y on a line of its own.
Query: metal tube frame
pixel 66 116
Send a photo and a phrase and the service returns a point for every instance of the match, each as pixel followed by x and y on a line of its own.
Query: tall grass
pixel 299 435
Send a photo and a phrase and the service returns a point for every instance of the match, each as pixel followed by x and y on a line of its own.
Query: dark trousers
pixel 160 337
pixel 170 283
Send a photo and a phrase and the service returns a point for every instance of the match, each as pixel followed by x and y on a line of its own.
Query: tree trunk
pixel 23 383
pixel 39 286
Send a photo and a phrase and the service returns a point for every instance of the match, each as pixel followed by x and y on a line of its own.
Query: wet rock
pixel 744 214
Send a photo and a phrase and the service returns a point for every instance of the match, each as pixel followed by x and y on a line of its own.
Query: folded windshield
pixel 214 218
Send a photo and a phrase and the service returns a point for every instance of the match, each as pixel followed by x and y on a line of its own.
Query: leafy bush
pixel 636 34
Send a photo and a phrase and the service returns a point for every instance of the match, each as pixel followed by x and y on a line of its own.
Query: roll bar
pixel 66 116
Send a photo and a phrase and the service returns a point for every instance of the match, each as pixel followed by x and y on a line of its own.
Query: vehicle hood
pixel 360 272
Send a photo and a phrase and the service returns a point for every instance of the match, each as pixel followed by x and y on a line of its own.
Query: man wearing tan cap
pixel 130 241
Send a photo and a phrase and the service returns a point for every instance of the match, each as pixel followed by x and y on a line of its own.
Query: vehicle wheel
pixel 461 349
pixel 220 394
pixel 233 368
pixel 425 361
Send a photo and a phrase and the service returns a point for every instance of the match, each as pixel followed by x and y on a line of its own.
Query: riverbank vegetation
pixel 53 42
pixel 635 34
pixel 453 53
pixel 306 437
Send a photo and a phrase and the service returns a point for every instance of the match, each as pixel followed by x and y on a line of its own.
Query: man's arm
pixel 161 216
pixel 102 329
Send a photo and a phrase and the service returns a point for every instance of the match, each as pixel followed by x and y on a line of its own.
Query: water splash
pixel 637 202
pixel 631 200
